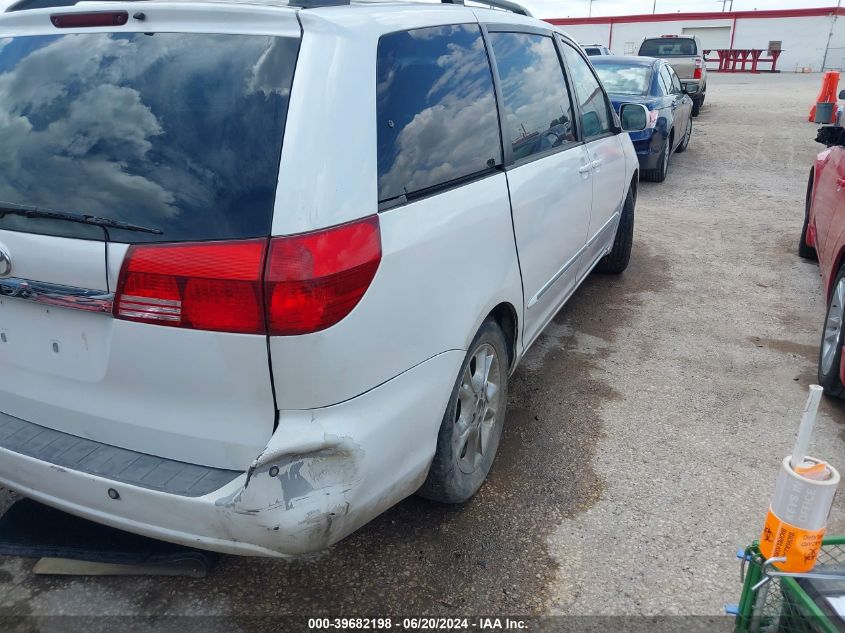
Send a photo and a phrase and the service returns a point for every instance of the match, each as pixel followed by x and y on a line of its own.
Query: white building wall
pixel 804 39
pixel 631 33
pixel 588 33
pixel 836 52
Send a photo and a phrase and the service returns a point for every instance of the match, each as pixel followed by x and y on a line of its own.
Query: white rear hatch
pixel 178 132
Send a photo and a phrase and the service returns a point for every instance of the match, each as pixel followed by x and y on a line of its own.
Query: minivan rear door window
pixel 176 132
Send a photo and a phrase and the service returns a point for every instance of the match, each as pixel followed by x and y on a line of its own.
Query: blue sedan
pixel 653 83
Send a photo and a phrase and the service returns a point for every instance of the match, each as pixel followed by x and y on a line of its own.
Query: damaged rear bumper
pixel 324 473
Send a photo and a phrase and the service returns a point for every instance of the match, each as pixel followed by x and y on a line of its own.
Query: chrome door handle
pixel 583 169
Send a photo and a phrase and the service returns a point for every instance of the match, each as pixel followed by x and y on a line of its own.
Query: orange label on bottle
pixel 800 547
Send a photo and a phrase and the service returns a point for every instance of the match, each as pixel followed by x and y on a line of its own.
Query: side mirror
pixel 692 89
pixel 842 94
pixel 830 135
pixel 634 117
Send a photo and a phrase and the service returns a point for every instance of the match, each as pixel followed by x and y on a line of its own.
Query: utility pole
pixel 654 7
pixel 830 35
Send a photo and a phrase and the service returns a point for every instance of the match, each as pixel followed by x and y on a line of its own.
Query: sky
pixel 581 8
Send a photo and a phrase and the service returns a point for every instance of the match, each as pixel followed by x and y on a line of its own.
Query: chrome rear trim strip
pixel 57 295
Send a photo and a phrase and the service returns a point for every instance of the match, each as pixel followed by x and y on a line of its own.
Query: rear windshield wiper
pixel 7 208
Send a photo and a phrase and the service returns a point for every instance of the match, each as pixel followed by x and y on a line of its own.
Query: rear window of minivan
pixel 170 131
pixel 669 47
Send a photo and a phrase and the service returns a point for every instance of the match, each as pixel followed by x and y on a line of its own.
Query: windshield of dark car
pixel 669 47
pixel 624 78
pixel 178 132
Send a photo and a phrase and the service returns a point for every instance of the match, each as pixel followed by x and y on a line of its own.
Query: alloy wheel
pixel 833 326
pixel 477 408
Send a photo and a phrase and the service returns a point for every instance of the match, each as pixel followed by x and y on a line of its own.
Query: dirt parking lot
pixel 645 427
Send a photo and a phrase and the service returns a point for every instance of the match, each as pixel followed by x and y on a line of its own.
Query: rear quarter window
pixel 436 110
pixel 173 131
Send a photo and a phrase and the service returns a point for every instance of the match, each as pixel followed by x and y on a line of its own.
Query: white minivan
pixel 265 269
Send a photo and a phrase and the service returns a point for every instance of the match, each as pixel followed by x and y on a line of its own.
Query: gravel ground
pixel 711 364
pixel 645 430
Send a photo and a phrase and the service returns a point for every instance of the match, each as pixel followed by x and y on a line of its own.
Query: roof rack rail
pixel 507 5
pixel 316 4
pixel 23 5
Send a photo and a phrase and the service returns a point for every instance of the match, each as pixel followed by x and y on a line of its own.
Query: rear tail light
pixel 309 282
pixel 206 286
pixel 314 280
pixel 97 18
pixel 699 65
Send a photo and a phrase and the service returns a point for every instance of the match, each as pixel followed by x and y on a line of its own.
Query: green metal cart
pixel 776 602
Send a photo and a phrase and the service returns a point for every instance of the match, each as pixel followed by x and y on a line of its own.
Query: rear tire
pixel 659 173
pixel 804 250
pixel 472 425
pixel 830 350
pixel 685 141
pixel 616 261
pixel 696 106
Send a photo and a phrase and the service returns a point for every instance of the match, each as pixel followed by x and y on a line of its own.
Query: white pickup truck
pixel 686 56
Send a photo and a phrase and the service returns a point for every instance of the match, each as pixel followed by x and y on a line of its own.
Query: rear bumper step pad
pixel 110 462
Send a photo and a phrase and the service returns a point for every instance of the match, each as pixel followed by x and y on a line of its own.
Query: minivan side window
pixel 436 110
pixel 595 112
pixel 538 111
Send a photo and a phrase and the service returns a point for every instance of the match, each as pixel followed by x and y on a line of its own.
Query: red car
pixel 823 237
